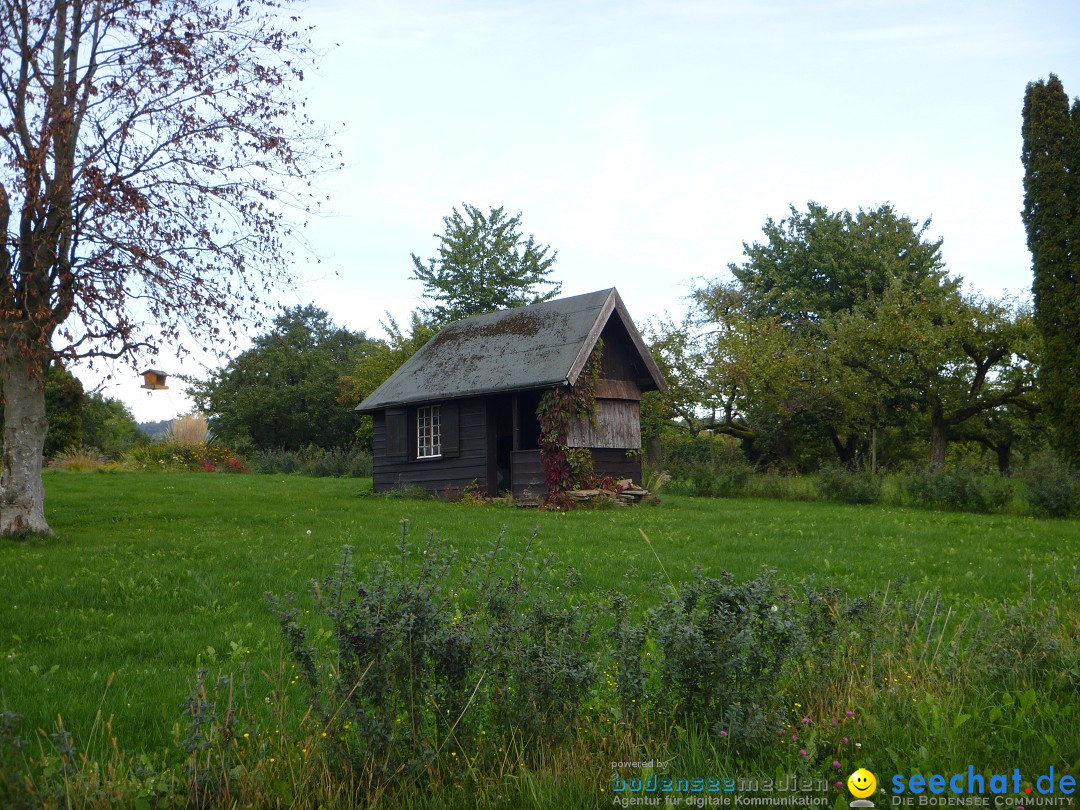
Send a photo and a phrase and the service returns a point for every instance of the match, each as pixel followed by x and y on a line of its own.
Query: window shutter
pixel 448 422
pixel 397 434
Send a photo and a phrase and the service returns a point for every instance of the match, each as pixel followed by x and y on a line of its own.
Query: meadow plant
pixel 172 456
pixel 1051 488
pixel 420 672
pixel 960 489
pixel 340 462
pixel 78 459
pixel 191 428
pixel 848 486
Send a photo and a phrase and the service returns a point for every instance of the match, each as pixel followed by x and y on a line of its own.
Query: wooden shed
pixel 461 412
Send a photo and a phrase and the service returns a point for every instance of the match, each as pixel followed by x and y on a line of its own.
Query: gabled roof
pixel 538 346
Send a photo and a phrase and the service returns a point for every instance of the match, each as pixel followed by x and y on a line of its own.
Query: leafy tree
pixel 813 268
pixel 819 263
pixel 285 391
pixel 958 357
pixel 145 145
pixel 732 372
pixel 1051 156
pixel 1003 431
pixel 64 404
pixel 108 425
pixel 383 358
pixel 484 265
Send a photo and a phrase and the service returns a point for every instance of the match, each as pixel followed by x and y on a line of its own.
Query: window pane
pixel 428 434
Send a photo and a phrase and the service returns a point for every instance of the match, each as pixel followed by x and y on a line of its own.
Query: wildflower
pixel 802 752
pixel 845 741
pixel 838 785
pixel 723 732
pixel 806 721
pixel 849 713
pixel 836 764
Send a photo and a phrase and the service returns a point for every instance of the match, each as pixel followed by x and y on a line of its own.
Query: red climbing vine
pixel 568 467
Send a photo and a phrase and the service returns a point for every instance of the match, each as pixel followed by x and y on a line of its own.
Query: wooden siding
pixel 617 464
pixel 618 425
pixel 529 482
pixel 617 389
pixel 437 475
pixel 527 476
pixel 621 360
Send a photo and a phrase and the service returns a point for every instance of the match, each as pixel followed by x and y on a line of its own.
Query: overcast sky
pixel 646 141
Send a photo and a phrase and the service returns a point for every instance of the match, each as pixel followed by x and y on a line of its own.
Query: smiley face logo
pixel 862 783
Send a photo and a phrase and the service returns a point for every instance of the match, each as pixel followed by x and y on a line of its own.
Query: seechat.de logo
pixel 862 784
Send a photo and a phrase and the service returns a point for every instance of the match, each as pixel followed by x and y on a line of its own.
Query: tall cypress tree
pixel 1051 156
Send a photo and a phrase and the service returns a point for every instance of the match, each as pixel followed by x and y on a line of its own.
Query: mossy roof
pixel 537 346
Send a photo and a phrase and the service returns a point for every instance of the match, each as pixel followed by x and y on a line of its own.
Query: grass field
pixel 153 575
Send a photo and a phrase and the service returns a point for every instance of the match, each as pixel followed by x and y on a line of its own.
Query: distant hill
pixel 155 430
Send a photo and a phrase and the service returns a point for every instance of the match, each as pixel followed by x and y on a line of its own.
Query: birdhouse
pixel 154 380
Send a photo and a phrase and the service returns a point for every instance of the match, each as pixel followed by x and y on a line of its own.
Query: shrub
pixel 847 486
pixel 171 455
pixel 961 489
pixel 1050 487
pixel 79 458
pixel 341 462
pixel 418 668
pixel 705 465
pixel 191 428
pixel 720 649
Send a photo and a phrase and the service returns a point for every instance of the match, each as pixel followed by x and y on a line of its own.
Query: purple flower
pixel 849 713
pixel 834 724
pixel 802 752
pixel 836 764
pixel 845 741
pixel 793 738
pixel 723 732
pixel 806 721
pixel 838 785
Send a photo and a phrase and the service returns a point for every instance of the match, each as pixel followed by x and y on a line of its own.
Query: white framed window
pixel 428 432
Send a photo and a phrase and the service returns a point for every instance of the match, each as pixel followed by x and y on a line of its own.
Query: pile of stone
pixel 624 493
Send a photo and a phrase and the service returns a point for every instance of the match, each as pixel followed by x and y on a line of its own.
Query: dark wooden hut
pixel 461 412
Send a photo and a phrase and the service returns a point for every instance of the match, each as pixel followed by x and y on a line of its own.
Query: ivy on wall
pixel 567 468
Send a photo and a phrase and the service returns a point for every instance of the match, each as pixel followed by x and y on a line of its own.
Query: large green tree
pixel 1051 157
pixel 956 357
pixel 285 391
pixel 817 263
pixel 381 359
pixel 814 267
pixel 484 265
pixel 108 424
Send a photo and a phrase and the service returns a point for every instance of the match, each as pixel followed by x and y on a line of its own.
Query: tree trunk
pixel 847 450
pixel 939 438
pixel 1004 457
pixel 22 494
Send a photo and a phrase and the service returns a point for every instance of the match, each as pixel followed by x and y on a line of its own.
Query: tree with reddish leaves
pixel 149 158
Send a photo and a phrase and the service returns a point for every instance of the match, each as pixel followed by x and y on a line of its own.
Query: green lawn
pixel 152 575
